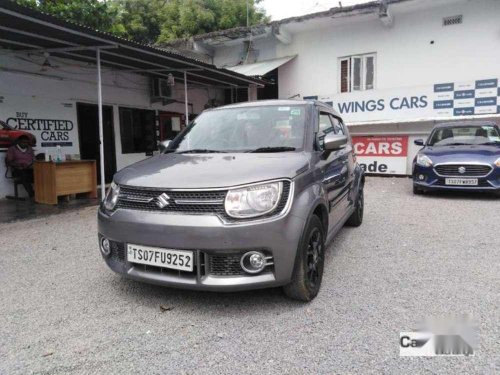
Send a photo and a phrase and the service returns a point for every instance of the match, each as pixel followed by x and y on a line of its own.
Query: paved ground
pixel 63 311
pixel 13 210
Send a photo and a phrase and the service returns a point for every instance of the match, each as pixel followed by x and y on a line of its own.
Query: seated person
pixel 20 158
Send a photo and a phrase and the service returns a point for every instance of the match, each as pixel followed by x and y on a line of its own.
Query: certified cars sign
pixel 52 122
pixel 382 155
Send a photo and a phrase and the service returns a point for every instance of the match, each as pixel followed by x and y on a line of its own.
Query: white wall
pixel 69 82
pixel 407 62
pixel 405 55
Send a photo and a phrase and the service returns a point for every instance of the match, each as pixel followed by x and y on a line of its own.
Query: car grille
pixel 471 170
pixel 117 251
pixel 194 202
pixel 188 202
pixel 225 265
pixel 216 265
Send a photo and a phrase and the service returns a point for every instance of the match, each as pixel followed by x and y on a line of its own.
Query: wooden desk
pixel 68 177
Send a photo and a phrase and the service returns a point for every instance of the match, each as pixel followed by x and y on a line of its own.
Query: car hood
pixel 468 153
pixel 189 171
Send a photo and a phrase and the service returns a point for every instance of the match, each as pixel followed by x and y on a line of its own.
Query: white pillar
pixel 186 98
pixel 101 131
pixel 252 93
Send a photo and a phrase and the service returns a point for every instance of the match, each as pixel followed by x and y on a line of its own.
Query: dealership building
pixel 49 87
pixel 391 68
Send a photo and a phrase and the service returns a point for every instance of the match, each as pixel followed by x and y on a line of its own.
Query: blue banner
pixel 463 111
pixel 439 104
pixel 441 87
pixel 487 83
pixel 465 94
pixel 481 102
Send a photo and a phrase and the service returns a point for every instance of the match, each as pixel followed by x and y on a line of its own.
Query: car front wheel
pixel 309 264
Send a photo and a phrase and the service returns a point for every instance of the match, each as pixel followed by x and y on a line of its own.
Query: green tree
pixel 185 18
pixel 154 21
pixel 96 14
pixel 140 20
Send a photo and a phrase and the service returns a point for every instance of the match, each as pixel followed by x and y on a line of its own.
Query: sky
pixel 279 9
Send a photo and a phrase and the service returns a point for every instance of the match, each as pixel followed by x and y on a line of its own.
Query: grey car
pixel 246 197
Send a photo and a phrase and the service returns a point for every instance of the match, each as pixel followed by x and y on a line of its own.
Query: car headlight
pixel 112 197
pixel 497 162
pixel 254 200
pixel 424 160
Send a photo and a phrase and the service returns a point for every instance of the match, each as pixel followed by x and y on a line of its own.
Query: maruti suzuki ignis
pixel 246 197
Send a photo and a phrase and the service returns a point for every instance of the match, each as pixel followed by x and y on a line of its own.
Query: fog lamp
pixel 253 262
pixel 421 177
pixel 105 246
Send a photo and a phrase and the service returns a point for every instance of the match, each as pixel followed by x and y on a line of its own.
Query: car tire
pixel 356 218
pixel 309 263
pixel 417 190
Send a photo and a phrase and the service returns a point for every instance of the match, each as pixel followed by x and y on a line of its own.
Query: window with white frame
pixel 357 73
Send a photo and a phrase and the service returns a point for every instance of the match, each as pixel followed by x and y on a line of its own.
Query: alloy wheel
pixel 314 257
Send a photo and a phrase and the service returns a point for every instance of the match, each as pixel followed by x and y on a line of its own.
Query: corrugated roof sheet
pixel 25 29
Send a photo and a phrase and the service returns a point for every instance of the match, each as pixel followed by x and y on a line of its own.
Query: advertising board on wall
pixel 448 99
pixel 52 122
pixel 382 154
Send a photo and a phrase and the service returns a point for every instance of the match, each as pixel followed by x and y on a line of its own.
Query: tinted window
pixel 338 127
pixel 325 126
pixel 464 135
pixel 245 129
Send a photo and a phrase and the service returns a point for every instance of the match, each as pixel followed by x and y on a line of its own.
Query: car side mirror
pixel 334 142
pixel 164 145
pixel 419 142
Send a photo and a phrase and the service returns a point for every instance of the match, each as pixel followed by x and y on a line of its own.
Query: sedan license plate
pixel 153 256
pixel 461 181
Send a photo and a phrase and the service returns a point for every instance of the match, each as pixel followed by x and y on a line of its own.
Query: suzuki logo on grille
pixel 162 201
pixel 461 170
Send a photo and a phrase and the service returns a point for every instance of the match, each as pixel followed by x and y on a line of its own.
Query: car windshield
pixel 465 135
pixel 269 128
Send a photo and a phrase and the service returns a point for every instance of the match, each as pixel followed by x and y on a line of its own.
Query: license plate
pixel 167 258
pixel 461 181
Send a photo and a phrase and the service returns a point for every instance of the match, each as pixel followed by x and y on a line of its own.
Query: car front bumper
pixel 433 181
pixel 209 238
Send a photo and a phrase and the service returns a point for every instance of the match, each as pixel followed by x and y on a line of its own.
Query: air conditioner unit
pixel 162 88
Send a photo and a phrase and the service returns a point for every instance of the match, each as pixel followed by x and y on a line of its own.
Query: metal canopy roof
pixel 24 30
pixel 261 68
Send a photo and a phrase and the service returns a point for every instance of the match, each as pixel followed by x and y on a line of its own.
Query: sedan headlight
pixel 112 197
pixel 254 200
pixel 497 162
pixel 424 160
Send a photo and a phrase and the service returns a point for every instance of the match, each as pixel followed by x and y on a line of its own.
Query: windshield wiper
pixel 200 151
pixel 458 144
pixel 273 149
pixel 491 143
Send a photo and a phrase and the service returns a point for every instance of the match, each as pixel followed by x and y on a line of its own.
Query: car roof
pixel 458 124
pixel 281 102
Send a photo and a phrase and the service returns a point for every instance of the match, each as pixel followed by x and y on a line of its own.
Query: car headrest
pixel 447 133
pixel 480 132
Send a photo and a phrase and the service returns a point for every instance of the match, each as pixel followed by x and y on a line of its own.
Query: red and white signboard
pixel 382 154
